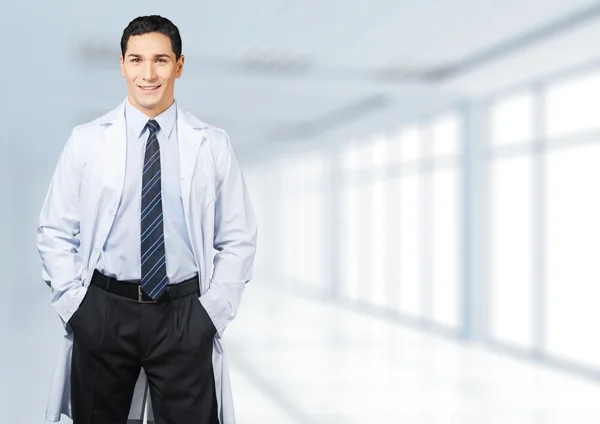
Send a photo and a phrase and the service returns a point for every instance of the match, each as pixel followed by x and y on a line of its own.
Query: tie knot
pixel 152 126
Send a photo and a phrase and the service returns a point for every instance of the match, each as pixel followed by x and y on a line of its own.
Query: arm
pixel 234 239
pixel 57 240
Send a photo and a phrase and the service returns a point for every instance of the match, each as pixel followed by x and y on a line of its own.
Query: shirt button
pixel 112 213
pixel 96 250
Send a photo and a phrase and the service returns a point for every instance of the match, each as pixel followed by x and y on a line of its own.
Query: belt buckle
pixel 140 300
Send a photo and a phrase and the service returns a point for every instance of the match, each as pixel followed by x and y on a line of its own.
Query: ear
pixel 122 65
pixel 180 63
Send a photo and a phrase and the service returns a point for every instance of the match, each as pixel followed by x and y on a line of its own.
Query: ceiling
pixel 274 72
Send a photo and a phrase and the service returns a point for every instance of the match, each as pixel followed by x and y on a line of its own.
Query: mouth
pixel 149 88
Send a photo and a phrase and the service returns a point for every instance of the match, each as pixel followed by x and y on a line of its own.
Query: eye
pixel 135 59
pixel 160 60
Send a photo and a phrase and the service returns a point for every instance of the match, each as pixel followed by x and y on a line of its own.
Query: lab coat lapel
pixel 115 144
pixel 190 140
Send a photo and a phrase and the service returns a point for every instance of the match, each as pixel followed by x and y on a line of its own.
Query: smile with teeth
pixel 150 87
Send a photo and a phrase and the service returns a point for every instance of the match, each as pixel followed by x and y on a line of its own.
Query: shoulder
pixel 216 137
pixel 96 125
pixel 82 138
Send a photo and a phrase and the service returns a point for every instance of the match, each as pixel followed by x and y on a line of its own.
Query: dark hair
pixel 154 23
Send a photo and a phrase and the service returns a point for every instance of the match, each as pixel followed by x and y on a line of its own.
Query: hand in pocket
pixel 203 316
pixel 76 317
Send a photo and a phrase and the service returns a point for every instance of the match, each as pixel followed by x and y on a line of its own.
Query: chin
pixel 147 104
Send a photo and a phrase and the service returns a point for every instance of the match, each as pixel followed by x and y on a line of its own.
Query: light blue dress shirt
pixel 120 256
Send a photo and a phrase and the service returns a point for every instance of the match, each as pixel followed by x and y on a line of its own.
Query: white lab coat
pixel 79 210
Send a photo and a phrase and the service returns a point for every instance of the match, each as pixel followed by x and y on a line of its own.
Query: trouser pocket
pixel 76 317
pixel 200 313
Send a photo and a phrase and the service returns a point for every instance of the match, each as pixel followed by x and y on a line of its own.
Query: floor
pixel 297 360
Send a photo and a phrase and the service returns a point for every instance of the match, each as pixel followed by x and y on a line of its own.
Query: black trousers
pixel 115 336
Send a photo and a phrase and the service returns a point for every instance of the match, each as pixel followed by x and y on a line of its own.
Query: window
pixel 352 241
pixel 445 214
pixel 410 142
pixel 572 106
pixel 544 255
pixel 512 119
pixel 511 236
pixel 573 245
pixel 301 217
pixel 511 233
pixel 411 245
pixel 446 135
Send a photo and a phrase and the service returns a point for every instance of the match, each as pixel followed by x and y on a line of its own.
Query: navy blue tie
pixel 154 269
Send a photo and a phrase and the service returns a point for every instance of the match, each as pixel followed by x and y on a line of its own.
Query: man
pixel 138 200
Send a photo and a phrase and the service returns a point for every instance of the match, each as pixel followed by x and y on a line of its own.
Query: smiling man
pixel 140 199
pixel 151 63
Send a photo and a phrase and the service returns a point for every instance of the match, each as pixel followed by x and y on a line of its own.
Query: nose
pixel 149 72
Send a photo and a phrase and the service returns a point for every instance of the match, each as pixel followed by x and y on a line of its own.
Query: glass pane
pixel 300 177
pixel 573 106
pixel 292 220
pixel 511 251
pixel 350 260
pixel 573 249
pixel 446 132
pixel 410 245
pixel 313 171
pixel 512 119
pixel 357 155
pixel 393 242
pixel 379 220
pixel 381 150
pixel 314 241
pixel 307 188
pixel 350 158
pixel 301 240
pixel 364 208
pixel 394 140
pixel 446 270
pixel 410 140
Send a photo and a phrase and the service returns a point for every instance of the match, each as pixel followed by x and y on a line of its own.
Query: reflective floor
pixel 299 360
pixel 310 362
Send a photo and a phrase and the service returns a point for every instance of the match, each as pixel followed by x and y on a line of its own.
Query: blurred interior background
pixel 425 176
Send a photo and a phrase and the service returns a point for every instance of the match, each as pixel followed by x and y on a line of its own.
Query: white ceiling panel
pixel 335 51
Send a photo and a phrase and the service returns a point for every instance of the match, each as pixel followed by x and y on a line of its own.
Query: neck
pixel 154 111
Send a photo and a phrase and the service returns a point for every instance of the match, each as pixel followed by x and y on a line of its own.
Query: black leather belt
pixel 133 289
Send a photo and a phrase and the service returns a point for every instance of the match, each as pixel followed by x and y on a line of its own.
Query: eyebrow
pixel 156 55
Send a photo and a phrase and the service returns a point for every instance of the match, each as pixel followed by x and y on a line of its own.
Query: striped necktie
pixel 154 269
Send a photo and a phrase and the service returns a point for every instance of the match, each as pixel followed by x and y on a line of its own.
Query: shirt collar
pixel 137 120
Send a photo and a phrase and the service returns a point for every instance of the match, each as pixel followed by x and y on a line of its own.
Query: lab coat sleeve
pixel 57 233
pixel 235 235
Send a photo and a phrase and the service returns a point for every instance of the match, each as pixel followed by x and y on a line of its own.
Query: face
pixel 150 69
